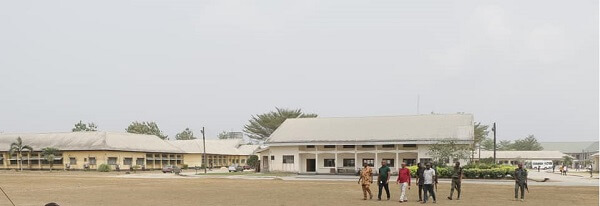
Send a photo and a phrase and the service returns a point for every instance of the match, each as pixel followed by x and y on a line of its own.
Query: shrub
pixel 103 168
pixel 413 170
pixel 444 172
pixel 184 166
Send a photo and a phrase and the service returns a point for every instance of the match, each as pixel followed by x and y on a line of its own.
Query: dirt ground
pixel 79 188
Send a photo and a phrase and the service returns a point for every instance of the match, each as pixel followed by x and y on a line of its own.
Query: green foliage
pixel 261 126
pixel 567 160
pixel 49 154
pixel 150 128
pixel 186 134
pixel 443 150
pixel 528 143
pixel 444 172
pixel 18 147
pixel 184 166
pixel 104 168
pixel 413 170
pixel 82 127
pixel 488 171
pixel 252 161
pixel 229 135
pixel 480 133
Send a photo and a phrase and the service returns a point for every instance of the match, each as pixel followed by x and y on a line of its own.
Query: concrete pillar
pixel 376 161
pixel 316 160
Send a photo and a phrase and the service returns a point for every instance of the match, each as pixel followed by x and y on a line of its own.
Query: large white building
pixel 341 145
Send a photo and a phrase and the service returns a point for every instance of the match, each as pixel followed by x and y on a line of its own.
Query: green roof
pixel 570 147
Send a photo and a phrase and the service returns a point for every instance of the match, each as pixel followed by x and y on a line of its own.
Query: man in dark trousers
pixel 429 177
pixel 420 180
pixel 520 181
pixel 456 180
pixel 383 178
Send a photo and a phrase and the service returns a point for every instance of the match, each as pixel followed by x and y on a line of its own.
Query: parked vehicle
pixel 247 167
pixel 541 164
pixel 168 168
pixel 235 168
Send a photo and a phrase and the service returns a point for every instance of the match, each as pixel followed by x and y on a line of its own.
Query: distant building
pixel 119 149
pixel 343 144
pixel 580 151
pixel 515 157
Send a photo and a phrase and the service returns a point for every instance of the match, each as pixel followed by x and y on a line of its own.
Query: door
pixel 310 165
pixel 265 161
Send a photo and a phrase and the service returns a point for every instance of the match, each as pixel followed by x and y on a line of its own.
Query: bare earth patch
pixel 79 188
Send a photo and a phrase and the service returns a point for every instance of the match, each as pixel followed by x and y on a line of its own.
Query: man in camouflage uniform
pixel 456 180
pixel 366 178
pixel 520 181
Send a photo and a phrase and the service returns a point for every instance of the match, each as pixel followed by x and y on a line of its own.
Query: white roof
pixel 531 155
pixel 225 146
pixel 431 127
pixel 70 141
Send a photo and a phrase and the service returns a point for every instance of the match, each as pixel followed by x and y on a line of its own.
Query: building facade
pixel 119 150
pixel 342 145
pixel 580 151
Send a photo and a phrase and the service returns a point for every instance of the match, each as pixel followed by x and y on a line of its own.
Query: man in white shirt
pixel 429 177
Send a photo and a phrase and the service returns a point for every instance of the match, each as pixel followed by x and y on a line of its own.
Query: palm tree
pixel 49 154
pixel 19 148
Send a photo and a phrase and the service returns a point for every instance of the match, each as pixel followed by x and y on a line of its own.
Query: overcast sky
pixel 530 66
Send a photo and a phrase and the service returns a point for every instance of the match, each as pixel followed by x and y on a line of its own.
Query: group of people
pixel 427 181
pixel 563 170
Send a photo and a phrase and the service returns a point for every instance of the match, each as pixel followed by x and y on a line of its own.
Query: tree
pixel 487 144
pixel 443 150
pixel 504 145
pixel 252 161
pixel 145 128
pixel 49 154
pixel 261 126
pixel 186 134
pixel 79 127
pixel 480 132
pixel 19 148
pixel 567 160
pixel 528 143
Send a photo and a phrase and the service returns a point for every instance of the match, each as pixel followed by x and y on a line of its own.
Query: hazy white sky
pixel 530 66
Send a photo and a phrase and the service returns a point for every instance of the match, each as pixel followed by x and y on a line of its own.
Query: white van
pixel 542 164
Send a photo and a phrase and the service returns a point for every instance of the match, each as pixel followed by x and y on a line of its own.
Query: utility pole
pixel 204 150
pixel 494 130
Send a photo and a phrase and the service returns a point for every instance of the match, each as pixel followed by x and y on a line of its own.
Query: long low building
pixel 341 145
pixel 515 157
pixel 219 153
pixel 117 149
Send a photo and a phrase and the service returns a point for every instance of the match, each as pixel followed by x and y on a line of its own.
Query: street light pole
pixel 494 129
pixel 204 150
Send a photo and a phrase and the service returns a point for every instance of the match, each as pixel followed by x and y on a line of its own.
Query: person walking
pixel 365 180
pixel 565 170
pixel 457 174
pixel 561 169
pixel 520 181
pixel 429 178
pixel 420 180
pixel 404 181
pixel 383 179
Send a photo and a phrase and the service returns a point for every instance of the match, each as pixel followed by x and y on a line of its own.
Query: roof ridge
pixel 378 116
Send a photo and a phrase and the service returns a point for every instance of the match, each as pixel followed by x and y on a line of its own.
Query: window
pixel 310 146
pixel 425 160
pixel 410 162
pixel 409 145
pixel 139 161
pixel 127 161
pixel 328 163
pixel 288 159
pixel 243 161
pixel 369 162
pixel 368 146
pixel 72 161
pixel 92 160
pixel 329 146
pixel 348 163
pixel 112 161
pixel 272 157
pixel 348 146
pixel 390 162
pixel 388 146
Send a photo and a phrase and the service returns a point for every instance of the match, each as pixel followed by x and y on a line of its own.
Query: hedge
pixel 103 168
pixel 473 171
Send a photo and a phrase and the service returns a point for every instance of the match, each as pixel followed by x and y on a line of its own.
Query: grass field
pixel 80 188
